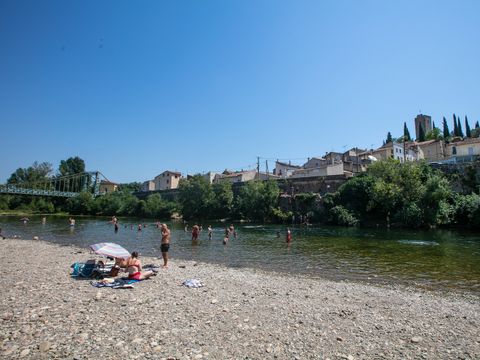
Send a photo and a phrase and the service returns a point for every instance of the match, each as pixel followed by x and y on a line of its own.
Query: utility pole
pixel 356 155
pixel 258 165
pixel 266 167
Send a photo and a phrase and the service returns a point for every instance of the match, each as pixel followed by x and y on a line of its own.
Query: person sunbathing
pixel 134 268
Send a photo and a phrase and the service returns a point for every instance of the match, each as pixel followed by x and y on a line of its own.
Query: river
pixel 435 259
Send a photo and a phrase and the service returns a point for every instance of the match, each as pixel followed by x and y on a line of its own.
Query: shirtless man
pixel 165 244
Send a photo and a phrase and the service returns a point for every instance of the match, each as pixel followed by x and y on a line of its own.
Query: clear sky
pixel 138 87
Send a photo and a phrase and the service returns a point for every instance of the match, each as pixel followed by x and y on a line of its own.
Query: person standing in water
pixel 227 235
pixel 72 222
pixel 195 232
pixel 289 236
pixel 165 245
pixel 232 231
pixel 210 232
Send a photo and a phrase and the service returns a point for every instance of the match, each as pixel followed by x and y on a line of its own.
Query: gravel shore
pixel 239 314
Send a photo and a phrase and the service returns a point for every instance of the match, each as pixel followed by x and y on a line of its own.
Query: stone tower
pixel 426 122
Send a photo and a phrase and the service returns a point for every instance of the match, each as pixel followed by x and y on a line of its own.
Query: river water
pixel 437 259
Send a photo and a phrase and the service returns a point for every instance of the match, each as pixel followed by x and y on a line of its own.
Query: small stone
pixel 246 320
pixel 137 340
pixel 416 339
pixel 198 356
pixel 7 316
pixel 25 352
pixel 214 301
pixel 269 350
pixel 157 348
pixel 339 338
pixel 44 346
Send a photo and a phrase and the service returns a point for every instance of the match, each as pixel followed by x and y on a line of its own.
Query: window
pixel 454 150
pixel 176 176
pixel 167 181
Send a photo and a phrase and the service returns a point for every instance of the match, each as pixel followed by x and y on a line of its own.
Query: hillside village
pixel 337 165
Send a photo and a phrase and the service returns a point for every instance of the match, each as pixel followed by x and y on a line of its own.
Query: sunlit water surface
pixel 438 259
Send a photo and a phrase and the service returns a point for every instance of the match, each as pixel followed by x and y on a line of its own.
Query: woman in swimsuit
pixel 134 268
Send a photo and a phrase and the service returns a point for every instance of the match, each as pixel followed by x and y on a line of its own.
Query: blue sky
pixel 135 88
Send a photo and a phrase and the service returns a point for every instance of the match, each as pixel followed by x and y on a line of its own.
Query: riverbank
pixel 240 313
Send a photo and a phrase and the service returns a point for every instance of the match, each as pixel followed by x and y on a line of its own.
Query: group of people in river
pixel 197 229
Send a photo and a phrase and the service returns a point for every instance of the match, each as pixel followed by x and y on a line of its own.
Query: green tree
pixel 434 134
pixel 421 133
pixel 406 133
pixel 455 126
pixel 446 130
pixel 467 128
pixel 354 195
pixel 389 138
pixel 108 204
pixel 82 204
pixel 196 198
pixel 467 210
pixel 157 208
pixel 71 166
pixel 35 173
pixel 257 200
pixel 223 200
pixel 339 215
pixel 130 187
pixel 459 127
pixel 477 125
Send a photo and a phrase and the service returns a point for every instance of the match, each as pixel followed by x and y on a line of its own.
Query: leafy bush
pixel 339 215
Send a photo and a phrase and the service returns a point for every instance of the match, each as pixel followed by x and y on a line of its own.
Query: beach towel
pixel 116 284
pixel 193 283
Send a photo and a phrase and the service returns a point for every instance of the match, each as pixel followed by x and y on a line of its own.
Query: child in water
pixel 227 235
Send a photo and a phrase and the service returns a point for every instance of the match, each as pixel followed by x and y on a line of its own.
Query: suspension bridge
pixel 59 186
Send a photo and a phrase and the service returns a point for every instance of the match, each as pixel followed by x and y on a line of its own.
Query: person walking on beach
pixel 210 232
pixel 165 245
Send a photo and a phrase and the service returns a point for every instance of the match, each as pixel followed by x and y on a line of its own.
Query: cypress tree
pixel 446 130
pixel 434 125
pixel 421 133
pixel 406 133
pixel 460 131
pixel 389 138
pixel 477 125
pixel 468 133
pixel 455 126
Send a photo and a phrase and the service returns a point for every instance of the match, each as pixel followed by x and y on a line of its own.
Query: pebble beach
pixel 238 314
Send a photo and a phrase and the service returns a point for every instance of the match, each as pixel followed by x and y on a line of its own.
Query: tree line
pixel 388 194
